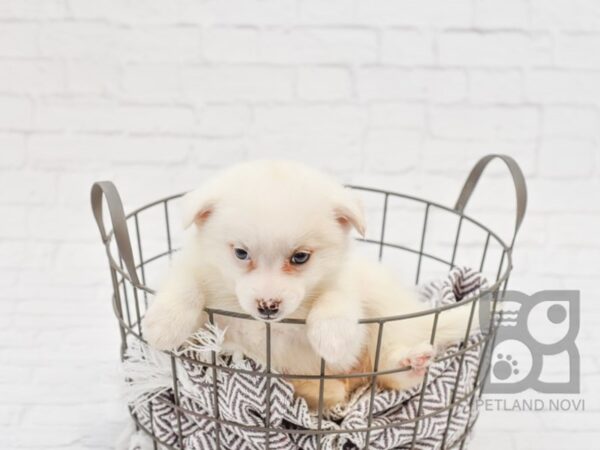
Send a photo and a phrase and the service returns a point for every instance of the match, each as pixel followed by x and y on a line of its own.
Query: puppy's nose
pixel 267 308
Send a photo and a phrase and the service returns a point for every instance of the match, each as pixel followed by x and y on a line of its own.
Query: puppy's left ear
pixel 197 206
pixel 349 212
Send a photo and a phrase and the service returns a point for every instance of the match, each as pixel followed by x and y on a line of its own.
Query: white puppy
pixel 272 241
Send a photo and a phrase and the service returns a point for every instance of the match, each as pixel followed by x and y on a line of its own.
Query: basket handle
pixel 518 180
pixel 119 224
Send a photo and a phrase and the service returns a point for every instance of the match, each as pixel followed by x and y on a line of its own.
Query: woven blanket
pixel 242 399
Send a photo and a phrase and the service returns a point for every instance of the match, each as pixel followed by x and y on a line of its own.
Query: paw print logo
pixel 531 331
pixel 505 367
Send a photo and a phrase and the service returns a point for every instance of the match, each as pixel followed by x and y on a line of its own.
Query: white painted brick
pixel 332 12
pixel 238 83
pixel 72 152
pixel 579 51
pixel 12 153
pixel 29 76
pixel 92 77
pixel 318 45
pixel 397 115
pixel 151 81
pixel 569 121
pixel 567 157
pixel 149 150
pixel 496 86
pixel 76 114
pixel 302 119
pixel 571 87
pixel 18 39
pixel 159 43
pixel 506 14
pixel 14 221
pixel 224 120
pixel 384 83
pixel 135 11
pixel 456 13
pixel 407 47
pixel 32 9
pixel 392 148
pixel 230 44
pixel 324 83
pixel 16 113
pixel 218 152
pixel 26 187
pixel 566 14
pixel 488 122
pixel 494 49
pixel 240 12
pixel 73 39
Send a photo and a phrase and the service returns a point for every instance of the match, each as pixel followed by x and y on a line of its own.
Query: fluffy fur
pixel 272 211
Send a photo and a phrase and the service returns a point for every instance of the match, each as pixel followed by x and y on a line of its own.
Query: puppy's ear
pixel 197 206
pixel 349 212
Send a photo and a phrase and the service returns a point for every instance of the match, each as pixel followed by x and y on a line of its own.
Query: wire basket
pixel 131 287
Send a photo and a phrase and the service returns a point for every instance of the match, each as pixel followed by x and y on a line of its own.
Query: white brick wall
pixel 157 94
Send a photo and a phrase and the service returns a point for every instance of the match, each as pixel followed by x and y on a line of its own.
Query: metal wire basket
pixel 131 285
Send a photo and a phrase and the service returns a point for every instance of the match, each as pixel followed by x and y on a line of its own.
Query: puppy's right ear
pixel 197 206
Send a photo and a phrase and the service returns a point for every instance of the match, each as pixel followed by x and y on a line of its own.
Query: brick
pixel 74 152
pixel 75 39
pixel 554 86
pixel 18 39
pixel 151 81
pixel 303 119
pixel 240 12
pixel 324 83
pixel 407 47
pixel 224 120
pixel 32 9
pixel 218 152
pixel 508 14
pixel 446 85
pixel 397 115
pixel 567 157
pixel 25 76
pixel 230 44
pixel 92 77
pixel 130 12
pixel 76 114
pixel 490 122
pixel 332 12
pixel 494 49
pixel 496 86
pixel 567 121
pixel 159 44
pixel 241 83
pixel 457 13
pixel 392 150
pixel 318 45
pixel 16 113
pixel 566 14
pixel 14 221
pixel 13 150
pixel 578 51
pixel 26 187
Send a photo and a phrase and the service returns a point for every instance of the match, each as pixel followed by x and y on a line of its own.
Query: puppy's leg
pixel 334 392
pixel 415 360
pixel 176 312
pixel 333 329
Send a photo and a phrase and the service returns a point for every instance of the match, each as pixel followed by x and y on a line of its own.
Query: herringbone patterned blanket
pixel 242 401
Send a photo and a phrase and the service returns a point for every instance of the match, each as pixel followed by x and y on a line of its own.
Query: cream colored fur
pixel 272 210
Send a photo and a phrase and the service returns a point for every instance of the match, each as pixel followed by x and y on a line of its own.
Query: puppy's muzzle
pixel 268 308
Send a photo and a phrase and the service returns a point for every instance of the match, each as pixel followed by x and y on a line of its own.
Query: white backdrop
pixel 399 94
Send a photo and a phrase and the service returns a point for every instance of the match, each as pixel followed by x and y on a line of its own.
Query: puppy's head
pixel 278 232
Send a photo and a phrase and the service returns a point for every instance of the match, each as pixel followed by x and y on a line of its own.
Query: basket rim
pixel 491 289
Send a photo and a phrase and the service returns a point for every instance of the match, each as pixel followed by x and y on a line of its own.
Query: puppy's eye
pixel 242 254
pixel 299 258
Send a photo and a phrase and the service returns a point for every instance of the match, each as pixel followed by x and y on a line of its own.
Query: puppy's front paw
pixel 166 328
pixel 338 340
